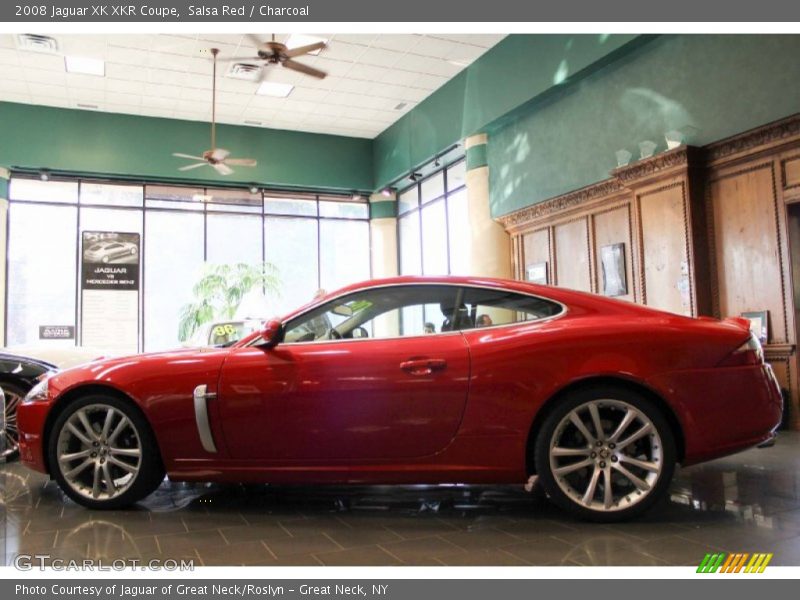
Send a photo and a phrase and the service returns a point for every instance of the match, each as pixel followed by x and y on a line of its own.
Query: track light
pixel 415 176
pixel 437 162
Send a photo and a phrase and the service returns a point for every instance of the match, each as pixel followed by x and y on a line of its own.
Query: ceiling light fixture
pixel 271 88
pixel 202 198
pixel 253 189
pixel 387 192
pixel 415 176
pixel 44 175
pixel 85 66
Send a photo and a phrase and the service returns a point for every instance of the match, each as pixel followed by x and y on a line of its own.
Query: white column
pixel 4 177
pixel 490 245
pixel 383 230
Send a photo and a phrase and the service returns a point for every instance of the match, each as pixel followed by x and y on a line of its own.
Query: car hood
pixel 142 375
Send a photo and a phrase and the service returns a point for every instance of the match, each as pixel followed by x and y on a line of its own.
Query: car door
pixel 356 378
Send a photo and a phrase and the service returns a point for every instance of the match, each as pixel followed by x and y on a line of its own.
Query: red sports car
pixel 418 380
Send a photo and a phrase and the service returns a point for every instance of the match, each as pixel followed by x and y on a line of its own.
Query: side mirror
pixel 272 333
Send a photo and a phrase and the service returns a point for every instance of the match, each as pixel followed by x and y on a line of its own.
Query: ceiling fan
pixel 218 158
pixel 276 53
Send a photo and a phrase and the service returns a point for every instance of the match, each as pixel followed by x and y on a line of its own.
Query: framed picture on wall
pixel 537 273
pixel 615 278
pixel 759 324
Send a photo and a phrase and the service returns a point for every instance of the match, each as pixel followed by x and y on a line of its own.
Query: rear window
pixel 487 307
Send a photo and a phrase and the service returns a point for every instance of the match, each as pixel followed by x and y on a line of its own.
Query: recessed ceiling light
pixel 271 88
pixel 87 66
pixel 298 39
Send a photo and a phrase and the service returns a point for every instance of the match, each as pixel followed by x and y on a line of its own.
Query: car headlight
pixel 38 393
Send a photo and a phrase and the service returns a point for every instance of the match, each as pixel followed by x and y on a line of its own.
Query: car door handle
pixel 423 366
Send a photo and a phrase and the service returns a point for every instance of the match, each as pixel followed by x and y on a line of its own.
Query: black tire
pixel 10 453
pixel 150 471
pixel 585 397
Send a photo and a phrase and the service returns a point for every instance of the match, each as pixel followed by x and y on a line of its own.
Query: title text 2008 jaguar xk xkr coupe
pixel 418 380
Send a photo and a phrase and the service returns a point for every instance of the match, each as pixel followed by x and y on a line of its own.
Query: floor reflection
pixel 746 503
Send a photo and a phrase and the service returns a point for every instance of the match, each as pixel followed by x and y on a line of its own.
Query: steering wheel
pixel 333 334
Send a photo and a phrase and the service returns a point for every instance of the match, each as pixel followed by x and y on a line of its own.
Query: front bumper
pixel 31 418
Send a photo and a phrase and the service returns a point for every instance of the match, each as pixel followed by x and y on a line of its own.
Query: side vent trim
pixel 201 397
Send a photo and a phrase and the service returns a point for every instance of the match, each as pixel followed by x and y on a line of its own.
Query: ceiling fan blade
pixel 180 155
pixel 222 169
pixel 241 59
pixel 194 166
pixel 300 67
pixel 254 39
pixel 220 154
pixel 300 50
pixel 241 162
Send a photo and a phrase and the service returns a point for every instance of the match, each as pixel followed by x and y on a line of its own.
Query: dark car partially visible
pixel 18 374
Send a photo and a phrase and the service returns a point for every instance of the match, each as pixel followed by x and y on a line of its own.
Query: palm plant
pixel 220 290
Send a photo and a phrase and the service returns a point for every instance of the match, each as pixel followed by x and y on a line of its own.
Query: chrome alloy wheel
pixel 12 400
pixel 99 452
pixel 606 455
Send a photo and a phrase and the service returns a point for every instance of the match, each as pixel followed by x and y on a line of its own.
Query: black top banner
pixel 463 11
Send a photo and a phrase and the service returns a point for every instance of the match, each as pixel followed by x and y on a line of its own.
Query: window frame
pixel 416 212
pixel 204 207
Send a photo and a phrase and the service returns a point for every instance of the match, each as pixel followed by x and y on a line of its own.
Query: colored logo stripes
pixel 740 562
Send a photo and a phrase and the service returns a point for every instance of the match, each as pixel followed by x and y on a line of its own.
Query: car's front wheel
pixel 13 396
pixel 103 454
pixel 605 454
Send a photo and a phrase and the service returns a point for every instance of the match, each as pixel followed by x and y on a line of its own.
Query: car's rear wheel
pixel 13 396
pixel 605 454
pixel 103 454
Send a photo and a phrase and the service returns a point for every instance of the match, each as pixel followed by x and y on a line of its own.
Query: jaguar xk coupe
pixel 418 380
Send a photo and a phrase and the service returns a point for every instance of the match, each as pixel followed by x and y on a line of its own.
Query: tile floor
pixel 749 502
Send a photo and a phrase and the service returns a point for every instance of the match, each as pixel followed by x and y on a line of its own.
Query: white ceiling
pixel 169 76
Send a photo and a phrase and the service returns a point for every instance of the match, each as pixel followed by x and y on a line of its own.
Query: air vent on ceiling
pixel 244 71
pixel 37 43
pixel 401 106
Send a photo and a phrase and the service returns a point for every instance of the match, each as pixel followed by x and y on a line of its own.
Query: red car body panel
pixel 345 411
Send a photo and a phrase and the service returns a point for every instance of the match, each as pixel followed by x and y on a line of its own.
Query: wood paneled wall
pixel 706 231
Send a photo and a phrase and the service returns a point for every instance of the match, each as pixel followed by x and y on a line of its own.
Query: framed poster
pixel 537 273
pixel 110 291
pixel 615 277
pixel 759 324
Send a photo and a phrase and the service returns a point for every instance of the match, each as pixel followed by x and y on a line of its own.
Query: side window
pixel 379 313
pixel 486 307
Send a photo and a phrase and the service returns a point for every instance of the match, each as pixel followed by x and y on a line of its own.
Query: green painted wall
pixel 508 76
pixel 718 85
pixel 141 147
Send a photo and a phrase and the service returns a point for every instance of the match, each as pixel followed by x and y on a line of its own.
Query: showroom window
pixel 433 221
pixel 314 240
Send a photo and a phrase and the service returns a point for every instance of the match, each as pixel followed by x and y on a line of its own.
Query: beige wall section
pixel 490 245
pixel 384 247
